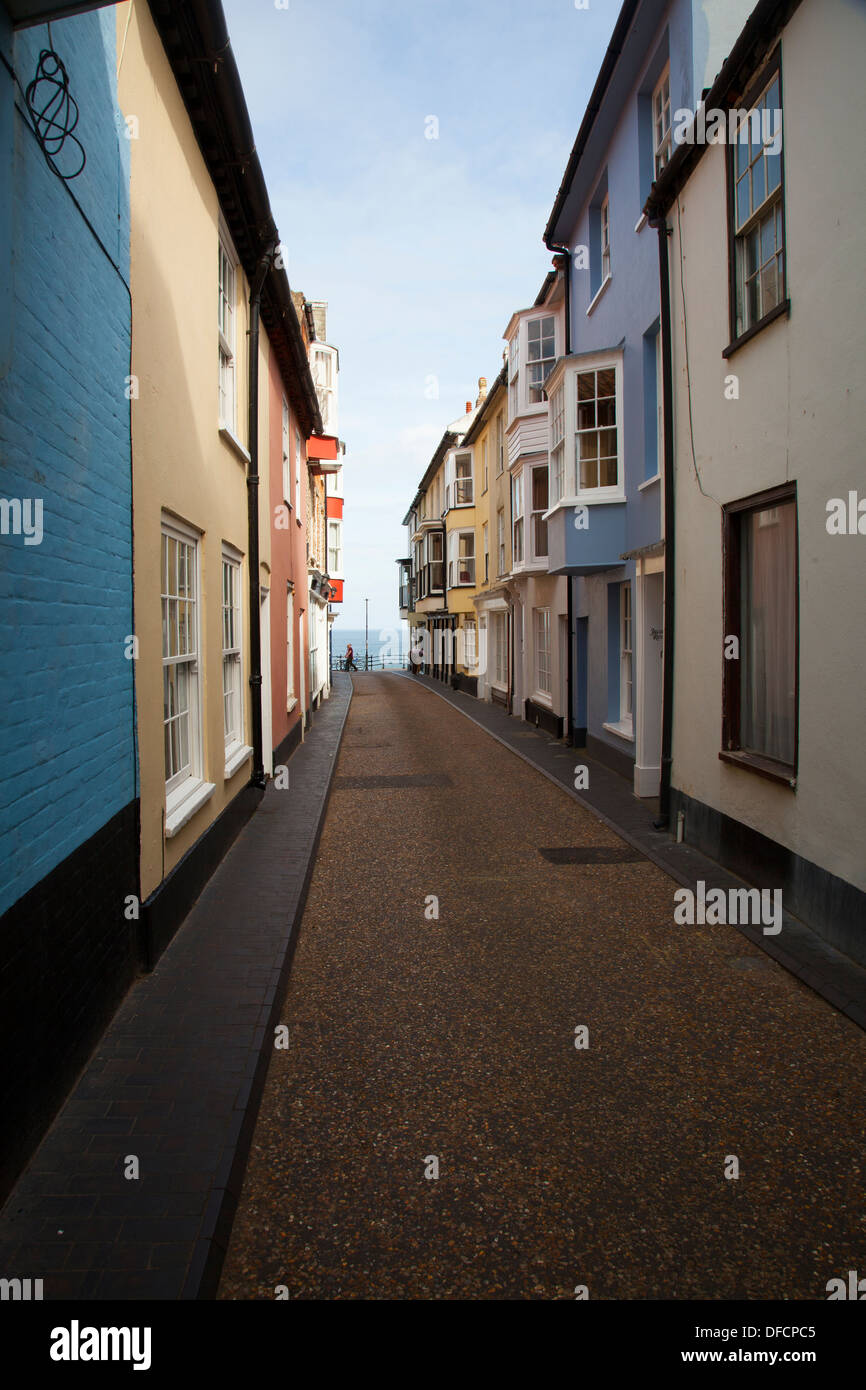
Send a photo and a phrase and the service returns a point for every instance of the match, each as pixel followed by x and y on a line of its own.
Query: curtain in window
pixel 768 627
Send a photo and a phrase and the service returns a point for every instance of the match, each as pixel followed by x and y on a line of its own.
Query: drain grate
pixel 592 854
pixel 418 779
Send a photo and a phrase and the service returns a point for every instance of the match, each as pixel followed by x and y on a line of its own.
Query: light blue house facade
pixel 605 526
pixel 68 780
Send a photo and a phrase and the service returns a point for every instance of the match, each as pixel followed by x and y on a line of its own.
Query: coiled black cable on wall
pixel 54 112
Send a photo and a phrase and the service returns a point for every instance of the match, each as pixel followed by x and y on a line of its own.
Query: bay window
pixel 461 558
pixel 514 376
pixel 538 525
pixel 541 354
pixel 517 519
pixel 557 444
pixel 597 434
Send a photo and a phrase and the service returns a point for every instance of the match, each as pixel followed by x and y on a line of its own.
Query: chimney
pixel 468 407
pixel 482 390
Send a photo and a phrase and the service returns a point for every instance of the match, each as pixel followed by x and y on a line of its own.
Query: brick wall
pixel 68 809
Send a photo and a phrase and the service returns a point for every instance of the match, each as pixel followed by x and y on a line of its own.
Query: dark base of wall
pixel 499 697
pixel 169 904
pixel 68 955
pixel 611 757
pixel 578 738
pixel 543 718
pixel 289 744
pixel 468 684
pixel 836 910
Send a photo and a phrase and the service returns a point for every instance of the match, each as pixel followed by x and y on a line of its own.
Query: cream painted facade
pixel 794 412
pixel 189 474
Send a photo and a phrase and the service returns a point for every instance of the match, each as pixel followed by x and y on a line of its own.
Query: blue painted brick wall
pixel 67 751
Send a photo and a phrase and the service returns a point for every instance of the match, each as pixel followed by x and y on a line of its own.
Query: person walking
pixel 350 659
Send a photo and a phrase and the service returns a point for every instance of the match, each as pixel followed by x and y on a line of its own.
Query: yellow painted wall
pixel 180 461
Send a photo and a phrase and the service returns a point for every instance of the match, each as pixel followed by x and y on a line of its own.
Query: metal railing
pixel 373 663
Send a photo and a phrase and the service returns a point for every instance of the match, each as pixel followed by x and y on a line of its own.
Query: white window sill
pixel 290 704
pixel 641 222
pixel 624 729
pixel 183 804
pixel 599 292
pixel 586 501
pixel 650 482
pixel 539 698
pixel 236 755
pixel 234 443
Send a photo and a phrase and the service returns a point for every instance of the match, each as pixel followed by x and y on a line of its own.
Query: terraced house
pixel 605 527
pixel 433 623
pixel 535 340
pixel 212 306
pixel 767 447
pixel 486 436
pixel 68 764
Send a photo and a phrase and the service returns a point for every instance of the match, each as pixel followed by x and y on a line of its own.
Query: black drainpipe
pixel 569 689
pixel 663 822
pixel 258 774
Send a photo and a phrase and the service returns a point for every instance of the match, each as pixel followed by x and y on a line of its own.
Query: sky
pixel 422 247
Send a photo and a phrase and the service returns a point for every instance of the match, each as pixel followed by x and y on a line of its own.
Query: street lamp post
pixel 366 634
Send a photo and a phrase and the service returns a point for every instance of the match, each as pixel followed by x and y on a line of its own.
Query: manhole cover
pixel 752 965
pixel 592 854
pixel 418 779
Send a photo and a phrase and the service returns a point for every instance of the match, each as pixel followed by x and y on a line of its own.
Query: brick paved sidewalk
pixel 837 978
pixel 177 1078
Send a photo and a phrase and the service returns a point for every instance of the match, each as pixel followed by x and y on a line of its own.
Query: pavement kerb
pixel 854 1007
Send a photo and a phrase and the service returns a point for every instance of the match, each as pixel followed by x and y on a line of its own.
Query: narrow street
pixel 413 1037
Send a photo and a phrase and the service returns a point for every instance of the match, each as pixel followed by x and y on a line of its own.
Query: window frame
pixel 610 492
pixel 731 750
pixel 514 375
pixel 185 790
pixel 539 361
pixel 227 341
pixel 335 525
pixel 287 456
pixel 455 538
pixel 538 515
pixel 499 672
pixel 485 550
pixel 500 541
pixel 232 563
pixel 518 552
pixel 770 72
pixel 542 621
pixel 291 697
pixel 298 475
pixel 604 239
pixel 626 654
pixel 500 445
pixel 667 135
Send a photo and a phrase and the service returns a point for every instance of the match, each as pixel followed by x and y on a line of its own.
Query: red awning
pixel 325 447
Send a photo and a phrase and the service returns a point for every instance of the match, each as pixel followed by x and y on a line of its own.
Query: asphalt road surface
pixel 413 1037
